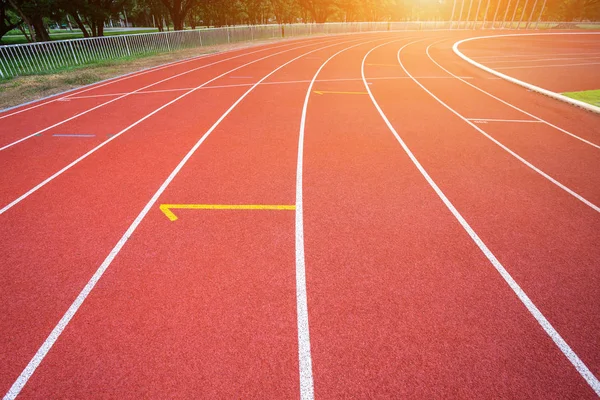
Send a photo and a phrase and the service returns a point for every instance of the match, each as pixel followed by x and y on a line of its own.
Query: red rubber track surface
pixel 401 301
pixel 560 63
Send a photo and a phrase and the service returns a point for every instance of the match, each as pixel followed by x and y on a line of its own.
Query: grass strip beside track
pixel 23 89
pixel 588 96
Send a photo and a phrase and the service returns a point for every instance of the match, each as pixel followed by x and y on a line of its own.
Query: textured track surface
pixel 441 226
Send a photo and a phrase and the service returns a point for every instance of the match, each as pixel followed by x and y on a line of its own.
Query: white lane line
pixel 509 104
pixel 548 66
pixel 527 302
pixel 91 96
pixel 110 81
pixel 476 120
pixel 529 86
pixel 106 82
pixel 264 84
pixel 304 354
pixel 123 96
pixel 542 59
pixel 534 55
pixel 70 313
pixel 60 172
pixel 512 153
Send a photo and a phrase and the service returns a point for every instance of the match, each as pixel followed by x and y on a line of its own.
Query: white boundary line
pixel 108 81
pixel 304 354
pixel 92 151
pixel 531 55
pixel 130 93
pixel 504 120
pixel 265 42
pixel 507 103
pixel 547 66
pixel 529 86
pixel 105 82
pixel 527 302
pixel 544 59
pixel 70 313
pixel 512 153
pixel 262 84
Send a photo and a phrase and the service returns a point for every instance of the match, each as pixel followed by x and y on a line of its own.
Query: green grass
pixel 20 39
pixel 588 26
pixel 588 96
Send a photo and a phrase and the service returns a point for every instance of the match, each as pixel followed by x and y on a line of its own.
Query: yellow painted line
pixel 166 208
pixel 321 92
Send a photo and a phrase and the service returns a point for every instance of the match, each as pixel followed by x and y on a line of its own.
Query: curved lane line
pixel 92 151
pixel 127 95
pixel 507 103
pixel 39 356
pixel 529 86
pixel 512 153
pixel 527 302
pixel 304 354
pixel 72 92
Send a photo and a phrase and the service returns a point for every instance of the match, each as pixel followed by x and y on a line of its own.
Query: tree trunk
pixel 177 21
pixel 41 33
pixel 80 25
pixel 26 21
pixel 100 27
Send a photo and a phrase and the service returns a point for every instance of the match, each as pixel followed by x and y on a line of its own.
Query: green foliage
pixel 89 16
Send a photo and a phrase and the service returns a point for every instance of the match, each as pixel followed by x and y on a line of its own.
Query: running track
pixel 436 236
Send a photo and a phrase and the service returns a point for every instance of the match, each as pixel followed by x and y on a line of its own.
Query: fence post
pixel 476 15
pixel 540 16
pixel 469 14
pixel 2 66
pixel 505 15
pixel 487 7
pixel 228 38
pixel 452 16
pixel 127 45
pixel 531 15
pixel 462 6
pixel 167 39
pixel 200 36
pixel 73 52
pixel 522 13
pixel 512 20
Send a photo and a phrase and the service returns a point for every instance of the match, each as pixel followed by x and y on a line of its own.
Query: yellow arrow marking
pixel 321 92
pixel 166 208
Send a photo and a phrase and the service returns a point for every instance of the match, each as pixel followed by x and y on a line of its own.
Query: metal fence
pixel 44 57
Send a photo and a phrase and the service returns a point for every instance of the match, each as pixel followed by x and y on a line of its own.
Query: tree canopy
pixel 33 17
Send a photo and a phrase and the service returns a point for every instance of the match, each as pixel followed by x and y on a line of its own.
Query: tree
pixel 320 10
pixel 285 11
pixel 32 12
pixel 8 20
pixel 178 9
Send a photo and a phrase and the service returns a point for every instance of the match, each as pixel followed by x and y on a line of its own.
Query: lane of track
pixel 401 302
pixel 13 136
pixel 32 177
pixel 83 214
pixel 577 70
pixel 205 304
pixel 545 238
pixel 565 156
pixel 171 68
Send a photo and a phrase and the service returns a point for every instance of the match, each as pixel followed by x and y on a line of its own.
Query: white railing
pixel 44 57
